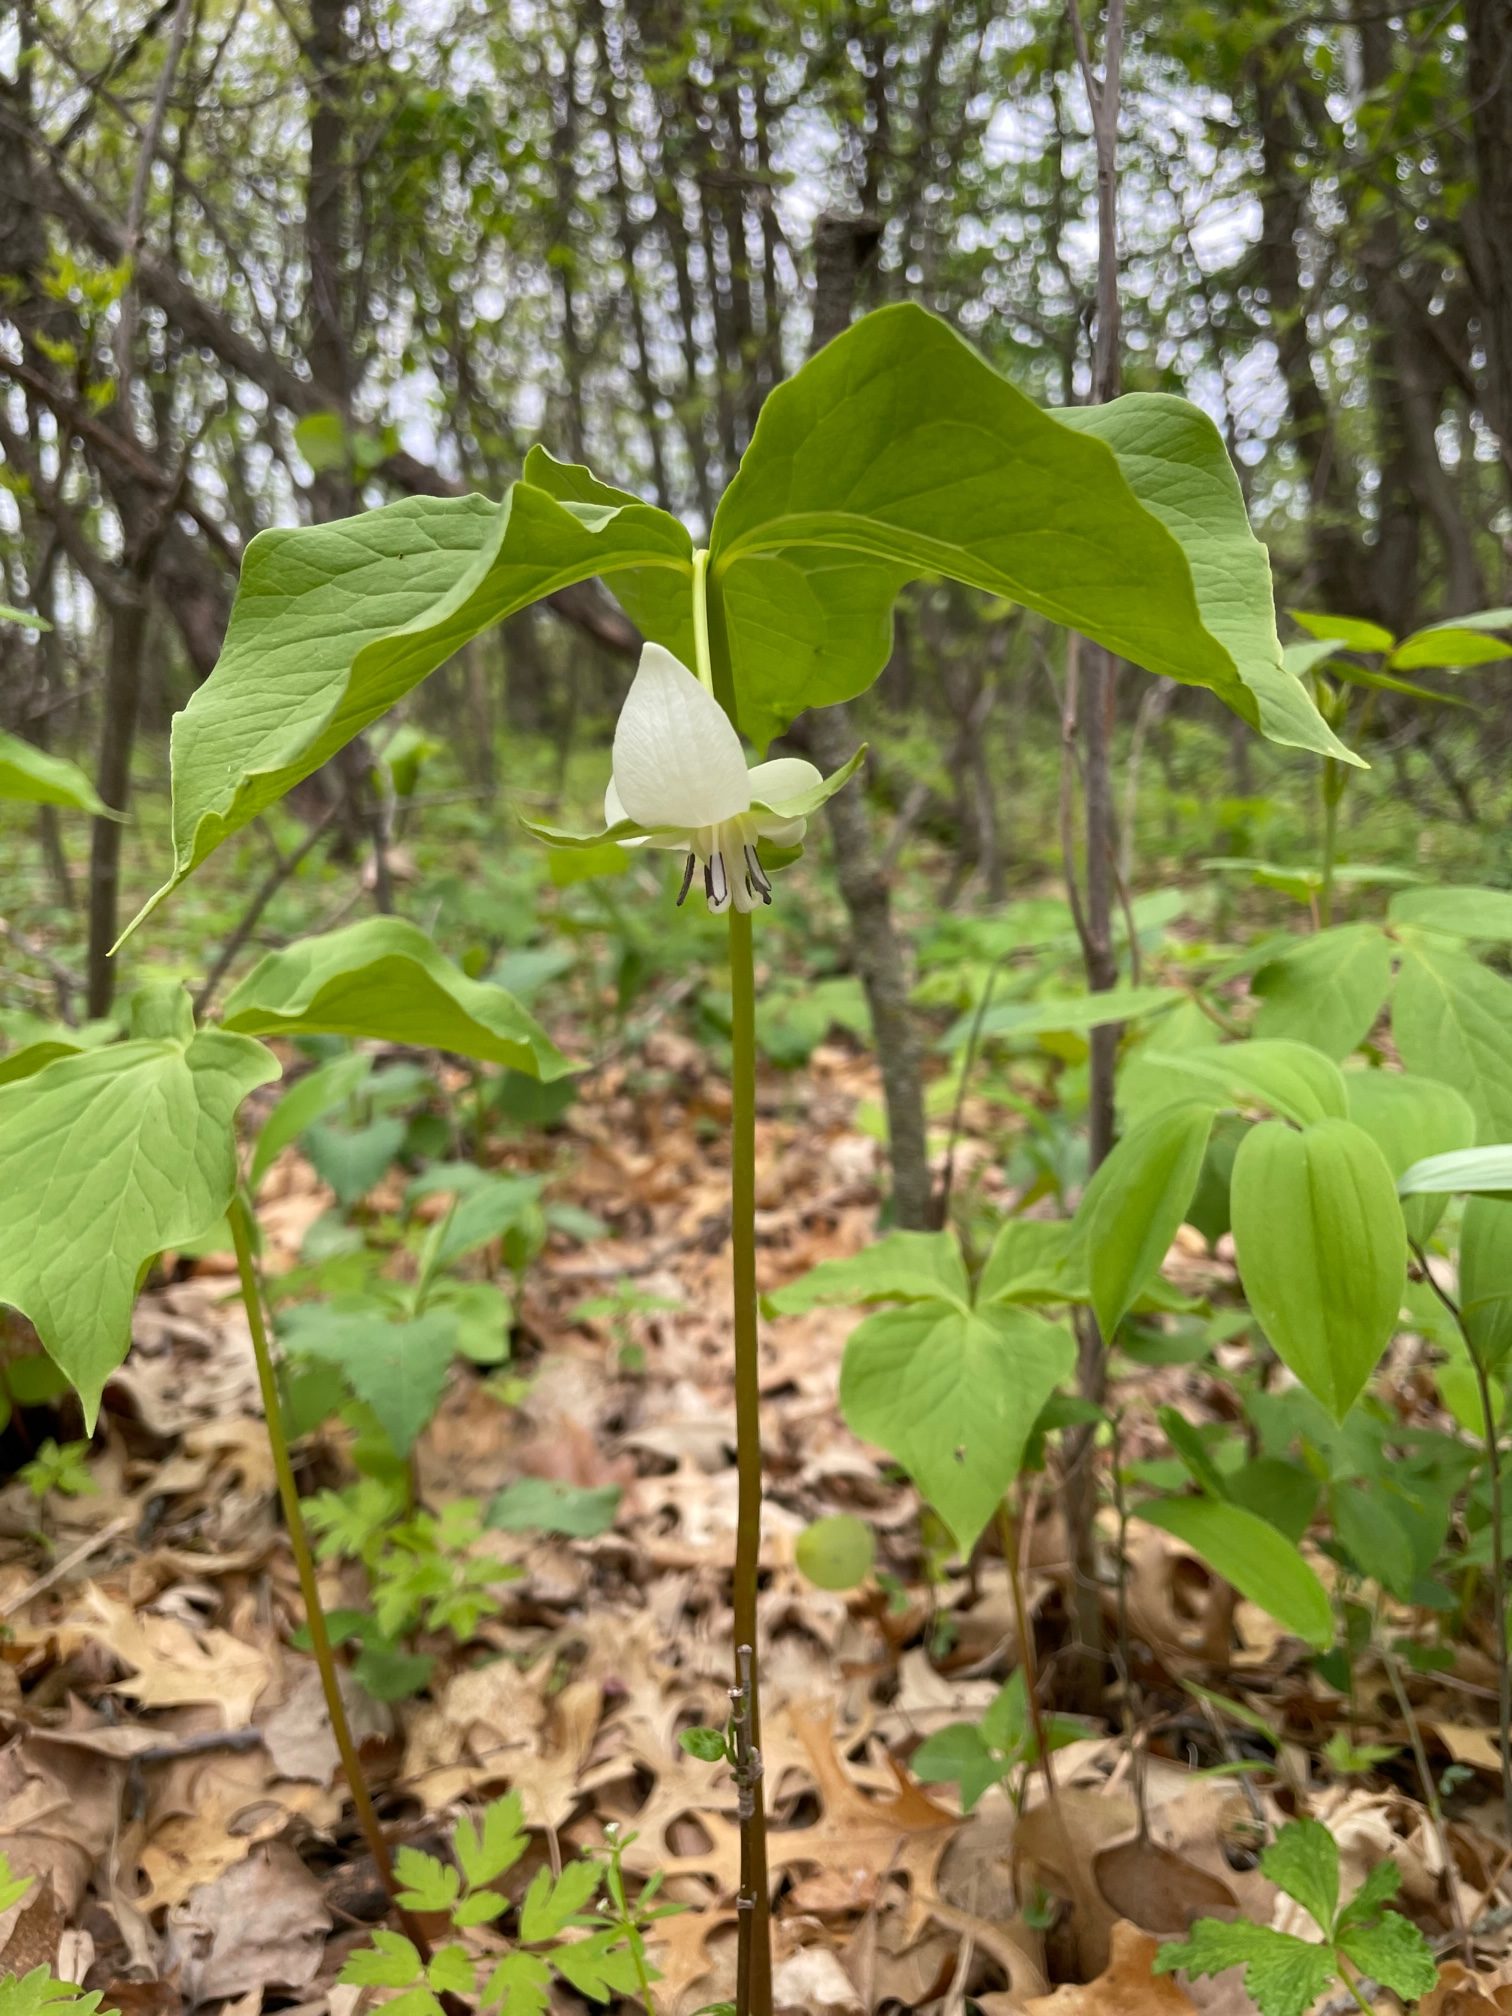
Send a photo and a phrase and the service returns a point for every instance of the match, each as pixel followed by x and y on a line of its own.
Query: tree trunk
pixel 1488 32
pixel 121 700
pixel 842 247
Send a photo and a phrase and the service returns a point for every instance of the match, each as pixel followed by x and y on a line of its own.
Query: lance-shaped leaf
pixel 334 623
pixel 953 1396
pixel 899 452
pixel 106 1157
pixel 36 777
pixel 383 978
pixel 1137 1201
pixel 1459 910
pixel 1322 1251
pixel 1261 1562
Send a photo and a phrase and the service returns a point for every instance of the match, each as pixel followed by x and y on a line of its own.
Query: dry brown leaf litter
pixel 168 1775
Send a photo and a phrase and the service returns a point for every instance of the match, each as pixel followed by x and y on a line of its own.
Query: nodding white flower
pixel 680 780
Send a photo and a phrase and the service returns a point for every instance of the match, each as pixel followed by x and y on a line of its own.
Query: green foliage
pixel 58 1468
pixel 1322 1251
pixel 106 1157
pixel 546 1505
pixel 1257 1557
pixel 836 505
pixel 1000 1749
pixel 600 1952
pixel 954 1395
pixel 838 1552
pixel 36 777
pixel 382 977
pixel 1136 1202
pixel 1286 1975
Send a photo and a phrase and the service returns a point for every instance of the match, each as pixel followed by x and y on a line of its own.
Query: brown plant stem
pixel 304 1563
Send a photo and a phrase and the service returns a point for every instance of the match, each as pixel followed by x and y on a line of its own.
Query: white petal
pixel 677 760
pixel 781 832
pixel 783 779
pixel 614 812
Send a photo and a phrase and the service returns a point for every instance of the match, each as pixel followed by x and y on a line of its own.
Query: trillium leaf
pixel 1260 1562
pixel 36 777
pixel 953 1396
pixel 334 623
pixel 384 978
pixel 1322 1251
pixel 107 1157
pixel 1452 1019
pixel 898 451
pixel 1174 459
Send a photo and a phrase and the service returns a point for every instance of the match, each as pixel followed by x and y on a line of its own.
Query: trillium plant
pixel 894 454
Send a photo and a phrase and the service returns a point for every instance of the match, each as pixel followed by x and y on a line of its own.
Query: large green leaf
pixel 1322 1251
pixel 1458 909
pixel 106 1157
pixel 1409 1119
pixel 953 1396
pixel 1326 990
pixel 1136 1202
pixel 1461 641
pixel 334 623
pixel 38 778
pixel 902 1267
pixel 898 451
pixel 1065 1014
pixel 382 977
pixel 1479 1172
pixel 1452 1019
pixel 1174 459
pixel 1259 1561
pixel 1485 1279
pixel 1289 1078
pixel 1354 633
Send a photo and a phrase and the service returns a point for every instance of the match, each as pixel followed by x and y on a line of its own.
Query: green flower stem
pixel 754 1959
pixel 755 1996
pixel 304 1562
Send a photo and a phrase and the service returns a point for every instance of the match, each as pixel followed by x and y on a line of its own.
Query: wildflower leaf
pixel 1283 1974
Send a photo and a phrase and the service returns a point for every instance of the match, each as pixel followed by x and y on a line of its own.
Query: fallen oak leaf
pixel 1126 1986
pixel 1458 1992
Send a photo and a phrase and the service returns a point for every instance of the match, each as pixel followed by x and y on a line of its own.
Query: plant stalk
pixel 1492 1442
pixel 1333 789
pixel 755 1988
pixel 304 1563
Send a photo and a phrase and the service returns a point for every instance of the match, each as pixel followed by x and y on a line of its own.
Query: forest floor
pixel 169 1774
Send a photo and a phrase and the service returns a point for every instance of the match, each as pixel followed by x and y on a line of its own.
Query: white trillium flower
pixel 680 780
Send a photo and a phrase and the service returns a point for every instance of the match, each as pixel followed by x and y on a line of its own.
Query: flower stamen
pixel 687 881
pixel 756 876
pixel 717 882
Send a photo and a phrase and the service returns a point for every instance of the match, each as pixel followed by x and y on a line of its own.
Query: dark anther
pixel 756 876
pixel 687 882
